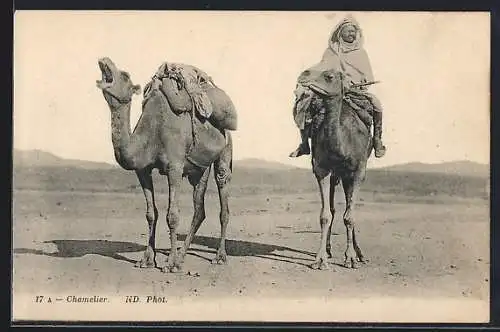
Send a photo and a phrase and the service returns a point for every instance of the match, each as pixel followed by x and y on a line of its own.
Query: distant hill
pixel 39 158
pixel 463 168
pixel 39 170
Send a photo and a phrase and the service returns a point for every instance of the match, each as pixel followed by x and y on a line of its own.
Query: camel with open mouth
pixel 165 140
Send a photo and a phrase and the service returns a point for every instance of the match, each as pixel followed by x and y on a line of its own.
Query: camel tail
pixel 229 142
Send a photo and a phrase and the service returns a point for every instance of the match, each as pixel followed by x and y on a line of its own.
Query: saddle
pixel 197 94
pixel 361 105
pixel 327 83
pixel 209 140
pixel 357 103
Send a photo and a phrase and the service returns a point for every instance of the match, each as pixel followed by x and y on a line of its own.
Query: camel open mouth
pixel 108 69
pixel 107 73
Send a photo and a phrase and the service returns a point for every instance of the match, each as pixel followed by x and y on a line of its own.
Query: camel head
pixel 116 84
pixel 327 83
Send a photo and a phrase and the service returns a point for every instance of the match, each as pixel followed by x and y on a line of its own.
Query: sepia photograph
pixel 251 166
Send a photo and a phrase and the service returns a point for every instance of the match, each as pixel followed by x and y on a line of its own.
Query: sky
pixel 434 70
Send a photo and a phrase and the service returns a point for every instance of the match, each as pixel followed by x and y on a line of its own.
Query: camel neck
pixel 332 119
pixel 334 109
pixel 120 130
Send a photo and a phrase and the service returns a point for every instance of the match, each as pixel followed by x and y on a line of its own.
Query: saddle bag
pixel 224 114
pixel 177 97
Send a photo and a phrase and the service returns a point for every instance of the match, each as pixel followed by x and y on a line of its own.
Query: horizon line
pixel 267 160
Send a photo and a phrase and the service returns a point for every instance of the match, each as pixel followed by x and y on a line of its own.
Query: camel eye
pixel 329 76
pixel 125 75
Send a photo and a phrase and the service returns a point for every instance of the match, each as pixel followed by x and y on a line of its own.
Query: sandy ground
pixel 425 256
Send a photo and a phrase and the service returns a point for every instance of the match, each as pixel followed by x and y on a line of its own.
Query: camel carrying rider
pixel 345 53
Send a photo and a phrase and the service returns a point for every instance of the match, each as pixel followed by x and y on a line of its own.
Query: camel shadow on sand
pixel 80 248
pixel 115 249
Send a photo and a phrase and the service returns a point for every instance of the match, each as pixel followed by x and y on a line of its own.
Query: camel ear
pixel 136 89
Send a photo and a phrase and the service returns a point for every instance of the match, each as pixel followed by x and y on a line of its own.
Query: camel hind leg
pixel 199 182
pixel 223 168
pixel 146 181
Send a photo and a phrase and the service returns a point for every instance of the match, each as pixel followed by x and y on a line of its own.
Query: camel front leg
pixel 325 219
pixel 174 175
pixel 334 180
pixel 222 178
pixel 146 181
pixel 353 251
pixel 199 184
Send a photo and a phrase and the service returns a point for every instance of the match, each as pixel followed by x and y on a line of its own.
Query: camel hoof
pixel 351 264
pixel 320 265
pixel 171 269
pixel 175 269
pixel 329 254
pixel 143 264
pixel 363 260
pixel 220 259
pixel 218 262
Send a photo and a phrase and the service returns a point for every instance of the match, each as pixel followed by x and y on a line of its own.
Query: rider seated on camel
pixel 345 52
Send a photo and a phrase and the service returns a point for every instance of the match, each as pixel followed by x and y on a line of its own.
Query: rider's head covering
pixel 337 41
